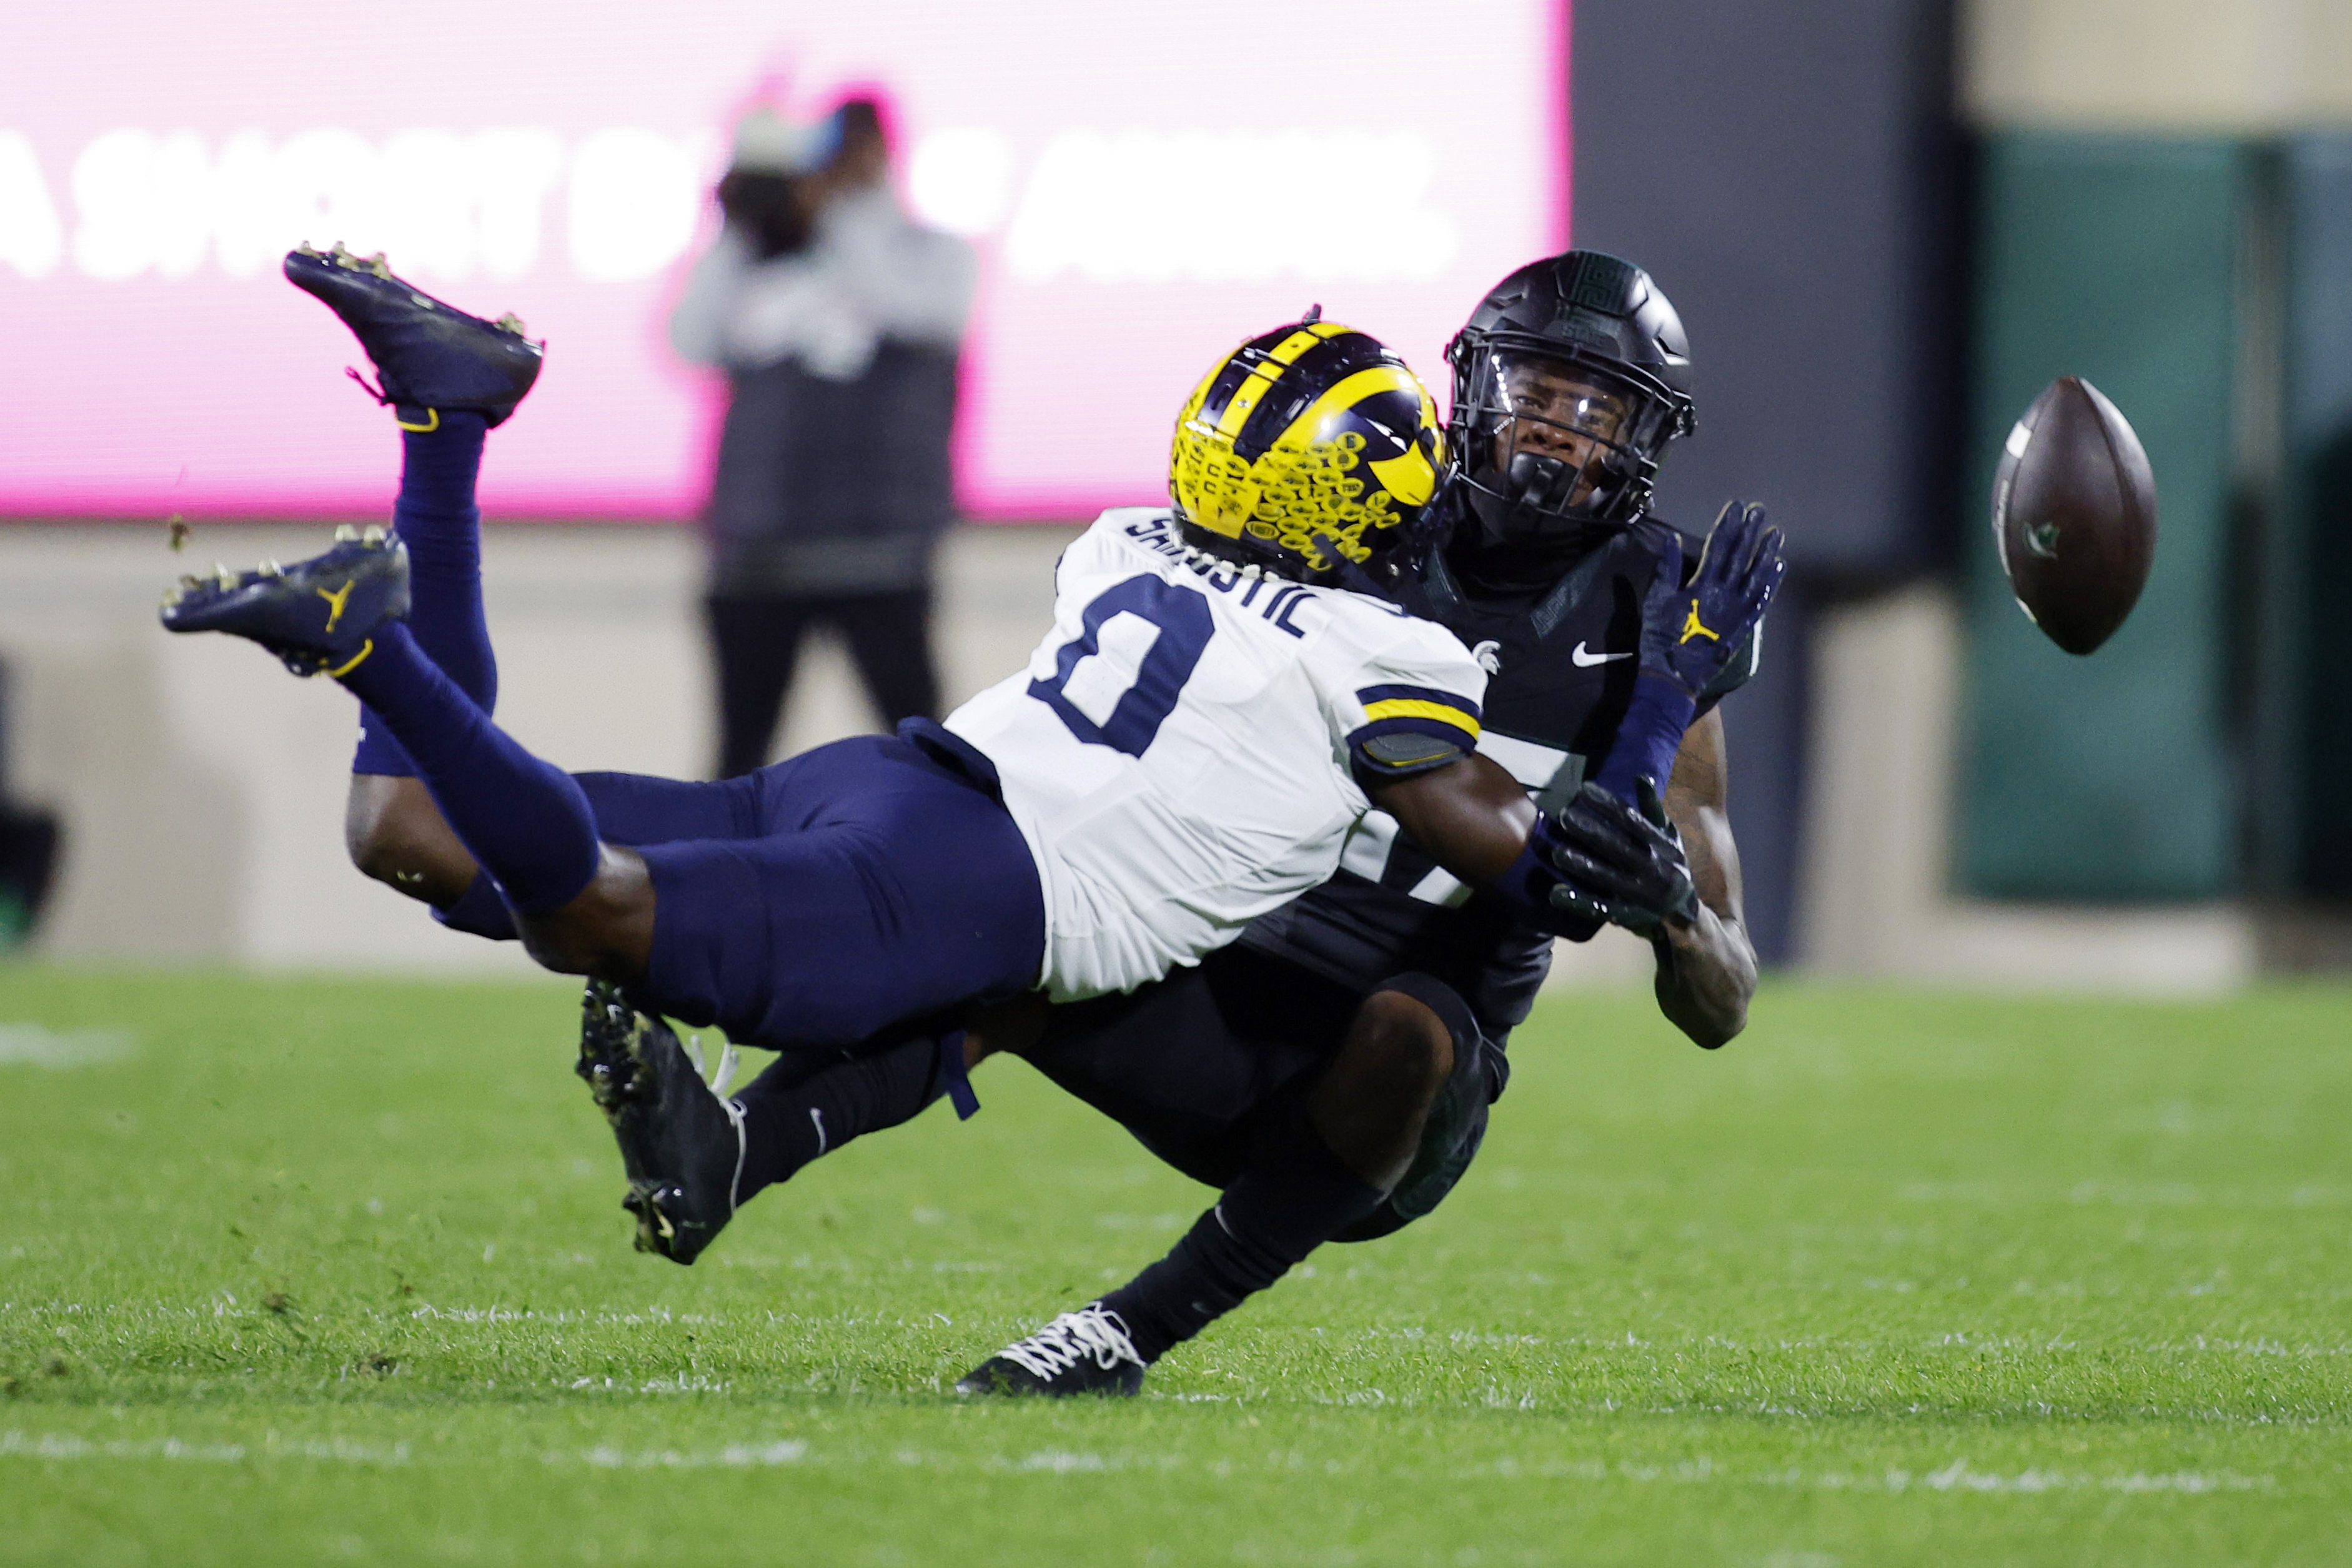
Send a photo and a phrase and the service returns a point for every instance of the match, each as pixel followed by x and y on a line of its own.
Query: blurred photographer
pixel 837 319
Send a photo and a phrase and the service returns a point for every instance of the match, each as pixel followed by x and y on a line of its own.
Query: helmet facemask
pixel 1556 443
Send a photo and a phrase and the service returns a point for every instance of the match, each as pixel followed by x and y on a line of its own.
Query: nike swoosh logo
pixel 1586 660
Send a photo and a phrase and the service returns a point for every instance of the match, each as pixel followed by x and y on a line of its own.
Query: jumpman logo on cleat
pixel 1695 627
pixel 335 603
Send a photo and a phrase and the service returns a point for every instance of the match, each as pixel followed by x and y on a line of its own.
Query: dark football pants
pixel 1201 1065
pixel 827 900
pixel 870 883
pixel 755 645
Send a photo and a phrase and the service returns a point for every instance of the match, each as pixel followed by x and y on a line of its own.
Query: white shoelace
pixel 734 1110
pixel 730 1058
pixel 1094 1331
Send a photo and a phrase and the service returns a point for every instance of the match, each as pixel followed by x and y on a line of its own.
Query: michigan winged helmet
pixel 1307 446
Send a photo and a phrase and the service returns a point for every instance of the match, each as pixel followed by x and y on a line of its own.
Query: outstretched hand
pixel 1691 631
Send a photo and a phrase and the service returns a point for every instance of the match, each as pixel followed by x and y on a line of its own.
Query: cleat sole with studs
pixel 661 1111
pixel 319 617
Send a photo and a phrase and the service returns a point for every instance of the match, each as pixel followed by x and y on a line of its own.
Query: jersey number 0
pixel 1183 627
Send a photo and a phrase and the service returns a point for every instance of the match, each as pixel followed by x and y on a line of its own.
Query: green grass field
pixel 329 1271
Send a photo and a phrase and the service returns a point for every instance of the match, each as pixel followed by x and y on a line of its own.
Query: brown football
pixel 2073 513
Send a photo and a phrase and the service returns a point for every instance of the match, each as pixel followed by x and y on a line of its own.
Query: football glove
pixel 1690 631
pixel 1617 863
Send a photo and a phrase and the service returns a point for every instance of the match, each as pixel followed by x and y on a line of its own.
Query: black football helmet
pixel 1569 380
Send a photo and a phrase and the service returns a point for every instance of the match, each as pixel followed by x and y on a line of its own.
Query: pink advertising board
pixel 1146 185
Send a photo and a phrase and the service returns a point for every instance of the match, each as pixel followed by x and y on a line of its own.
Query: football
pixel 2074 514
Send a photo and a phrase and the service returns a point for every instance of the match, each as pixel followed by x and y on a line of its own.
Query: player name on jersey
pixel 1185 749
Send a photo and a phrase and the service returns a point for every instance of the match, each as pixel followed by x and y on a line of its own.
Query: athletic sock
pixel 1294 1197
pixel 792 1116
pixel 436 518
pixel 525 821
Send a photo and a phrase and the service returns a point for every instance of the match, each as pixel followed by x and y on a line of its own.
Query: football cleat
pixel 681 1140
pixel 430 357
pixel 321 616
pixel 1084 1351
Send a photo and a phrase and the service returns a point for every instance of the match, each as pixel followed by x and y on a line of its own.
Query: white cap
pixel 768 143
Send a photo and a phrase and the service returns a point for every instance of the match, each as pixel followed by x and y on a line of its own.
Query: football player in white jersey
pixel 1193 740
pixel 884 883
pixel 1188 748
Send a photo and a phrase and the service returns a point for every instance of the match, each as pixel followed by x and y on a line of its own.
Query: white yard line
pixel 31 1045
pixel 58 1446
pixel 1957 1477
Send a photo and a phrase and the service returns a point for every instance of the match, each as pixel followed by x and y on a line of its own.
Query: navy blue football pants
pixel 827 898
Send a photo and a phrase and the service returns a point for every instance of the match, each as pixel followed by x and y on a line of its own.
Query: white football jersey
pixel 1182 753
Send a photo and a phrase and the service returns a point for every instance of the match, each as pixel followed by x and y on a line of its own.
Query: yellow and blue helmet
pixel 1306 447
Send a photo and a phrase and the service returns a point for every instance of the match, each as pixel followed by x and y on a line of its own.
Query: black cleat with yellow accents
pixel 430 357
pixel 321 616
pixel 681 1139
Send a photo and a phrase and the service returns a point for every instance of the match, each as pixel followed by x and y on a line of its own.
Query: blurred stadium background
pixel 1887 222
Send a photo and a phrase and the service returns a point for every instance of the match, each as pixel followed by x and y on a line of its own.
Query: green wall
pixel 2106 778
pixel 2316 532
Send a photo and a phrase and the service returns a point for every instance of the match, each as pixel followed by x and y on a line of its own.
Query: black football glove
pixel 1618 864
pixel 1690 632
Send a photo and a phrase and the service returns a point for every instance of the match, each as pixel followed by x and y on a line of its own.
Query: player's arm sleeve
pixel 1404 715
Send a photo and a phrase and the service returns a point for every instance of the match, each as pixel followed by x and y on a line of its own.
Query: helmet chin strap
pixel 1538 483
pixel 1530 506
